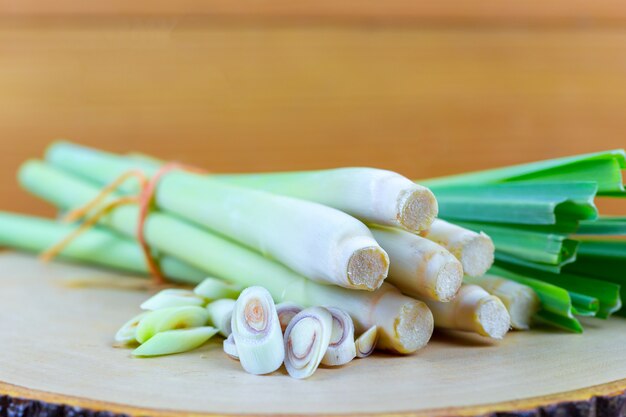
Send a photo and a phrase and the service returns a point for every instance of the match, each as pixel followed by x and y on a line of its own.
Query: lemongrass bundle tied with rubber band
pixel 216 289
pixel 172 297
pixel 520 300
pixel 366 343
pixel 419 267
pixel 472 310
pixel 322 243
pixel 230 348
pixel 341 348
pixel 306 341
pixel 256 332
pixel 474 250
pixel 405 324
pixel 220 315
pixel 287 311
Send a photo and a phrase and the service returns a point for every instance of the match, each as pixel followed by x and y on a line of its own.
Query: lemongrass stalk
pixel 287 311
pixel 230 348
pixel 172 318
pixel 472 310
pixel 341 348
pixel 127 333
pixel 418 266
pixel 306 340
pixel 256 331
pixel 474 250
pixel 175 341
pixel 405 324
pixel 172 297
pixel 366 343
pixel 520 300
pixel 98 246
pixel 220 315
pixel 216 289
pixel 319 242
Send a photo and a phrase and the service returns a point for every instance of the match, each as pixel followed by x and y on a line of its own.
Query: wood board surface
pixel 56 346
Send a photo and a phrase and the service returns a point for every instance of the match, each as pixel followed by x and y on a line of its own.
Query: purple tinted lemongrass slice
pixel 126 333
pixel 216 289
pixel 341 348
pixel 220 315
pixel 172 297
pixel 366 343
pixel 256 331
pixel 172 318
pixel 230 348
pixel 287 311
pixel 472 310
pixel 175 341
pixel 306 340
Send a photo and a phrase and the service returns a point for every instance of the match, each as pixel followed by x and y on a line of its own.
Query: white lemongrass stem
pixel 341 348
pixel 405 325
pixel 216 289
pixel 372 195
pixel 172 297
pixel 127 333
pixel 472 310
pixel 520 300
pixel 320 242
pixel 175 341
pixel 474 250
pixel 220 315
pixel 366 343
pixel 256 331
pixel 306 340
pixel 173 318
pixel 230 348
pixel 418 266
pixel 287 311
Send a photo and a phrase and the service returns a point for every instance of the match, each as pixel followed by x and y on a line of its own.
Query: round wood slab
pixel 56 348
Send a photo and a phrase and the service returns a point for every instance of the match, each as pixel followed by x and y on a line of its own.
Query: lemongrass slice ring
pixel 126 334
pixel 172 297
pixel 306 340
pixel 286 312
pixel 216 289
pixel 220 315
pixel 230 348
pixel 341 348
pixel 256 331
pixel 366 343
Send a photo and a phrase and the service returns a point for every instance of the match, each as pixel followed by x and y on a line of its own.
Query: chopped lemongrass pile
pixel 321 267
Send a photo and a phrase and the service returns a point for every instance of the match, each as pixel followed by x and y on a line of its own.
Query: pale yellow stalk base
pixel 417 209
pixel 368 268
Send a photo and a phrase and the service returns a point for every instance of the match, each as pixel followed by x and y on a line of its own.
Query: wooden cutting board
pixel 56 348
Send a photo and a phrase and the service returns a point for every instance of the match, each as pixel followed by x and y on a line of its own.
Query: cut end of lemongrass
pixel 477 255
pixel 417 208
pixel 341 348
pixel 522 310
pixel 366 343
pixel 493 318
pixel 445 275
pixel 286 312
pixel 230 348
pixel 306 340
pixel 126 335
pixel 367 268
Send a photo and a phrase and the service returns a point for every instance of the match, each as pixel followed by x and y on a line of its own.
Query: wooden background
pixel 424 89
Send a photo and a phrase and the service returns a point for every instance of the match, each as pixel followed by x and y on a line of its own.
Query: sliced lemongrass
pixel 220 315
pixel 256 331
pixel 474 250
pixel 216 289
pixel 341 348
pixel 418 266
pixel 230 348
pixel 366 343
pixel 520 300
pixel 287 311
pixel 126 333
pixel 472 310
pixel 172 318
pixel 306 339
pixel 172 297
pixel 175 341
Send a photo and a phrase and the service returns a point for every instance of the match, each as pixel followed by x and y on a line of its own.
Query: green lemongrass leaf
pixel 175 341
pixel 583 305
pixel 172 297
pixel 521 203
pixel 605 225
pixel 604 168
pixel 127 333
pixel 216 289
pixel 554 300
pixel 543 248
pixel 158 321
pixel 505 260
pixel 570 324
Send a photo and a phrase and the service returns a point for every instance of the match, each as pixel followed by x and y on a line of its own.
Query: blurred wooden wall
pixel 424 89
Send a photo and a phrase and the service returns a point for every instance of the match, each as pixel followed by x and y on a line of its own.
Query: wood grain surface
pixel 56 343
